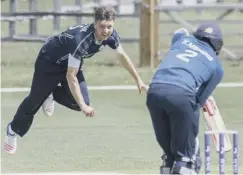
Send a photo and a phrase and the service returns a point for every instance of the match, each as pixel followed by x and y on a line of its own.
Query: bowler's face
pixel 103 29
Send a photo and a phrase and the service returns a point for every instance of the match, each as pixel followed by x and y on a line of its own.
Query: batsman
pixel 185 78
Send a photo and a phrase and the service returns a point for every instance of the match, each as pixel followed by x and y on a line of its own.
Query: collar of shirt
pixel 98 42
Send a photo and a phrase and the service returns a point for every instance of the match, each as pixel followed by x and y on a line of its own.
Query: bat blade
pixel 215 122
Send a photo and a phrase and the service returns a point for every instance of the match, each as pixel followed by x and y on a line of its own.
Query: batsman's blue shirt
pixel 78 41
pixel 191 64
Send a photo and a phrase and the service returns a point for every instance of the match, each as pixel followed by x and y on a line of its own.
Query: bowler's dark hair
pixel 105 13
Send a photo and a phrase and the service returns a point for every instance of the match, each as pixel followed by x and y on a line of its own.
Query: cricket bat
pixel 215 122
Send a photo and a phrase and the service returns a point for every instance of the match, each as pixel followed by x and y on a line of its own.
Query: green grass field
pixel 120 138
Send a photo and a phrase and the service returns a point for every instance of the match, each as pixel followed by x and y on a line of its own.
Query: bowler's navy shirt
pixel 78 41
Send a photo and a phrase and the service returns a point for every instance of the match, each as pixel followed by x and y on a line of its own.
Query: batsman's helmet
pixel 212 34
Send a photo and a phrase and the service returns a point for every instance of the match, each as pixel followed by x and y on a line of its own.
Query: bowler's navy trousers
pixel 47 76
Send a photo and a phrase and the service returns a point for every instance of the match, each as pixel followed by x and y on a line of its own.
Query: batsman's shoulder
pixel 218 64
pixel 220 70
pixel 182 31
pixel 178 34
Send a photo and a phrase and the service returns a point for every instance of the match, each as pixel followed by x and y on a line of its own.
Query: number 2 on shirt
pixel 187 55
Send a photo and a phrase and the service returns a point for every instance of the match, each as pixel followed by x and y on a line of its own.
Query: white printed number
pixel 187 55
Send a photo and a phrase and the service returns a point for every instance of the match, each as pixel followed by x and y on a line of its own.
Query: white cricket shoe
pixel 48 106
pixel 10 142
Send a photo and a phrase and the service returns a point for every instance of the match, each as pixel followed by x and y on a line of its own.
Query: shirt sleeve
pixel 73 62
pixel 119 49
pixel 74 57
pixel 178 34
pixel 207 88
pixel 114 40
